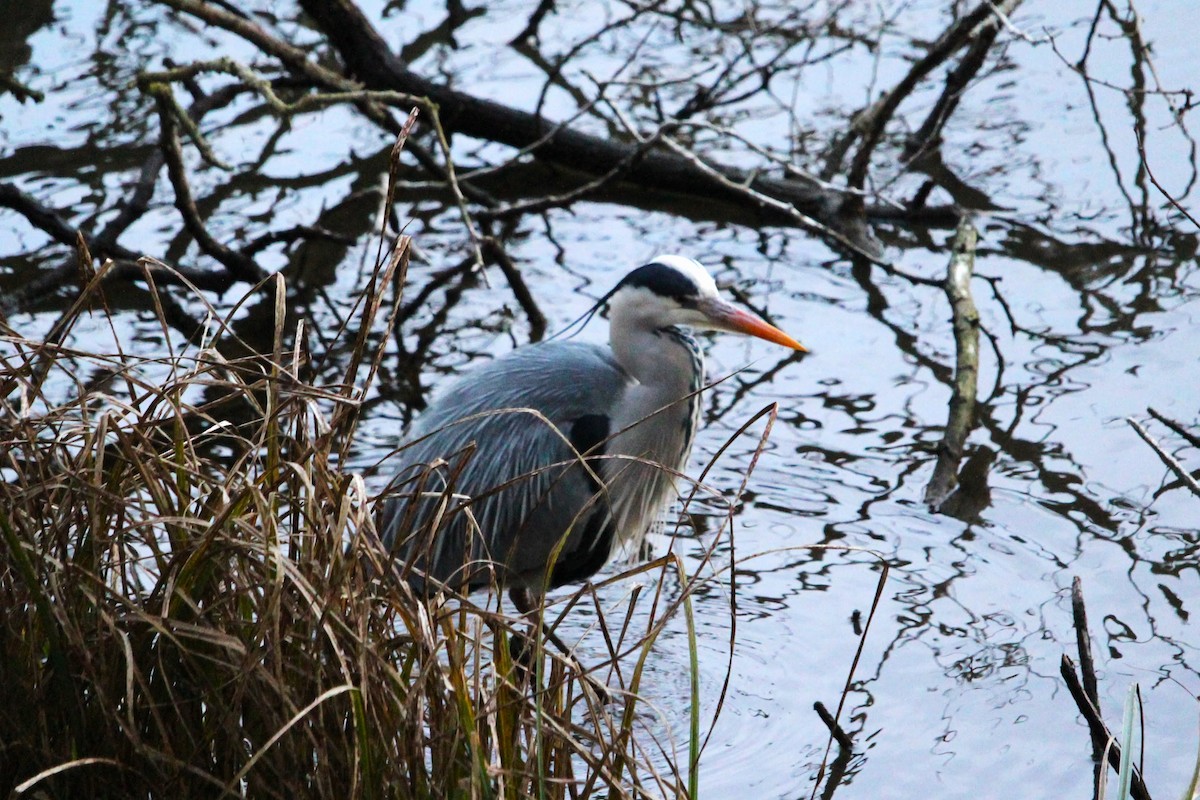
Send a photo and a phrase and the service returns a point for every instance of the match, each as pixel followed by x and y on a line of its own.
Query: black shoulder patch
pixel 663 281
pixel 588 436
pixel 589 431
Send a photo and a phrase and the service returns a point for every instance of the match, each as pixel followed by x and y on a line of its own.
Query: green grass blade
pixel 1125 773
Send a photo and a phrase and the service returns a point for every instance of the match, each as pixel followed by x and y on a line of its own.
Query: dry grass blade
pixel 52 771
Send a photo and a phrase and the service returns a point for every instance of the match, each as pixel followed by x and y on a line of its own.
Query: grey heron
pixel 531 471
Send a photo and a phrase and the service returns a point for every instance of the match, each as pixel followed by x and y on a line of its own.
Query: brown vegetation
pixel 191 607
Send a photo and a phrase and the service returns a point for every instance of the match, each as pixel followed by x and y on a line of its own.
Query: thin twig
pixel 1166 457
pixel 1083 643
pixel 239 265
pixel 1095 722
pixel 1192 438
pixel 1146 164
pixel 837 769
pixel 869 251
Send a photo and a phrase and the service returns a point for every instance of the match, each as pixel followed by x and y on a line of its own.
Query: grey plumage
pixel 547 460
pixel 524 422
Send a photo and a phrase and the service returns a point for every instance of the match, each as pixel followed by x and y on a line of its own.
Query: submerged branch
pixel 837 770
pixel 368 57
pixel 1087 668
pixel 871 122
pixel 103 247
pixel 966 373
pixel 1169 460
pixel 1098 728
pixel 1086 696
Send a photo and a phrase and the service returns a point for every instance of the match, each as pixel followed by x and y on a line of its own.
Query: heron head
pixel 675 290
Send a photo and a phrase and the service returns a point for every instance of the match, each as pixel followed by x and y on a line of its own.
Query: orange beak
pixel 727 317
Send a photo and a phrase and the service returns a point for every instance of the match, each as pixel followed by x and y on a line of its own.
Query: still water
pixel 1086 282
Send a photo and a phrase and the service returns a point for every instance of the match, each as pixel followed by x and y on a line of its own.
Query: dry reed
pixel 191 607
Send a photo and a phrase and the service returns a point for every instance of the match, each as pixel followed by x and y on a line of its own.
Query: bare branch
pixel 966 372
pixel 239 265
pixel 1146 164
pixel 1168 459
pixel 53 223
pixel 1096 725
pixel 1087 667
pixel 871 122
pixel 1175 426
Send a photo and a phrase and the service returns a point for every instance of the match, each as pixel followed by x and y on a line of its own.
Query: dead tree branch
pixel 1085 695
pixel 1087 667
pixel 337 89
pixel 1169 460
pixel 837 770
pixel 55 225
pixel 869 125
pixel 966 372
pixel 369 59
pixel 240 266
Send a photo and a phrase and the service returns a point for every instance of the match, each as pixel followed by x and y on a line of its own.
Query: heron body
pixel 531 471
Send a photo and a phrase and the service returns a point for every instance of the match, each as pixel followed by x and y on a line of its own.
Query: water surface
pixel 1087 284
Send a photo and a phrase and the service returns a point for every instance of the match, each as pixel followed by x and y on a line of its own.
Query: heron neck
pixel 667 359
pixel 656 419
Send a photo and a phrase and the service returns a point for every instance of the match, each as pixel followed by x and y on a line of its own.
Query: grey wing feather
pixel 504 534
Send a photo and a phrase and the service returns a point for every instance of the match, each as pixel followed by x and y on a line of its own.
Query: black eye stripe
pixel 663 281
